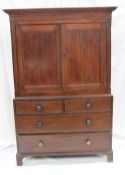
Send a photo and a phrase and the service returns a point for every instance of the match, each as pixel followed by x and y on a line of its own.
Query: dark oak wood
pixel 90 122
pixel 64 97
pixel 62 65
pixel 65 142
pixel 84 70
pixel 19 159
pixel 60 10
pixel 89 105
pixel 38 107
pixel 38 53
pixel 110 156
pixel 58 105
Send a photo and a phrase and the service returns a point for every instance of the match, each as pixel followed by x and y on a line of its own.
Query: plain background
pixel 7 128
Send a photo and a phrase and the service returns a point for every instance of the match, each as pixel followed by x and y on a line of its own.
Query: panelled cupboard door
pixel 84 57
pixel 61 58
pixel 38 56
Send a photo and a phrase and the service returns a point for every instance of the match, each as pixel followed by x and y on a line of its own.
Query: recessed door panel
pixel 39 59
pixel 85 59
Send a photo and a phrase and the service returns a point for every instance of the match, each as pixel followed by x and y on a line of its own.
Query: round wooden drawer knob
pixel 88 142
pixel 40 144
pixel 88 122
pixel 39 124
pixel 38 108
pixel 88 105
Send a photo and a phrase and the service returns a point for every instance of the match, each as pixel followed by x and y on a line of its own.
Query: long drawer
pixel 65 142
pixel 64 123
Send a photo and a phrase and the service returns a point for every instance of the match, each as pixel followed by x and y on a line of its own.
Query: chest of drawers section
pixel 64 125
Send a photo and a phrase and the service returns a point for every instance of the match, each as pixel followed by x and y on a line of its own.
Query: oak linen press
pixel 62 64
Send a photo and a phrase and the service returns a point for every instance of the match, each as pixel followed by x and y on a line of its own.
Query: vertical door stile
pixel 64 57
pixel 59 69
pixel 104 55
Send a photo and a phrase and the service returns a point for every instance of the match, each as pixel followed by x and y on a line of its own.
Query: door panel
pixel 84 59
pixel 38 59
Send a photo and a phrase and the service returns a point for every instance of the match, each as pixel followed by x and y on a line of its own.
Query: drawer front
pixel 64 123
pixel 65 143
pixel 38 107
pixel 103 104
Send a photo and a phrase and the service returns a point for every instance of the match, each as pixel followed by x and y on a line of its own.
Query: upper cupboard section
pixel 61 58
pixel 61 51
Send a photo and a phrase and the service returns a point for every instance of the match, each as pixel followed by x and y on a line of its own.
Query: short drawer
pixel 64 123
pixel 38 107
pixel 64 143
pixel 103 104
